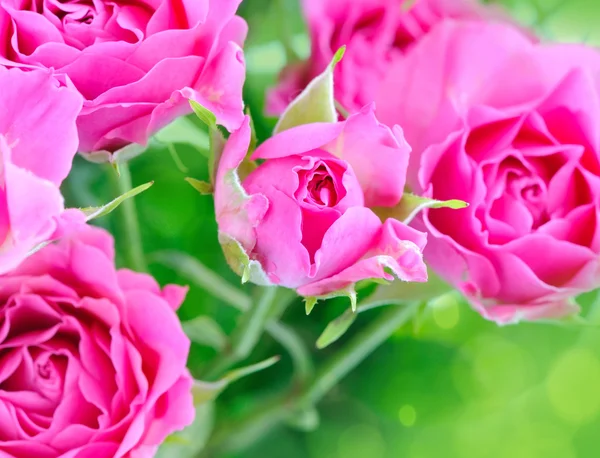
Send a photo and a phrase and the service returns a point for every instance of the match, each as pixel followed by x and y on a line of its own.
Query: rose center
pixel 318 187
pixel 531 191
pixel 44 370
pixel 322 191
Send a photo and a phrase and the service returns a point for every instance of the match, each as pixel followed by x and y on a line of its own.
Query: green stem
pixel 206 279
pixel 246 335
pixel 133 248
pixel 293 344
pixel 361 346
pixel 258 423
pixel 192 269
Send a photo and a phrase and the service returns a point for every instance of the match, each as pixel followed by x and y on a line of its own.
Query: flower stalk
pixel 246 335
pixel 241 434
pixel 132 247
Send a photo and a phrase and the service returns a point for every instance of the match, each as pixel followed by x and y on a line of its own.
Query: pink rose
pixel 513 128
pixel 92 360
pixel 135 63
pixel 303 215
pixel 376 34
pixel 38 140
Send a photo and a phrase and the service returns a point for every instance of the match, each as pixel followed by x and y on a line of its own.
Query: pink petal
pixel 159 330
pixel 279 245
pixel 298 140
pixel 346 241
pixel 174 411
pixel 398 248
pixel 378 155
pixel 34 102
pixel 219 88
pixel 237 213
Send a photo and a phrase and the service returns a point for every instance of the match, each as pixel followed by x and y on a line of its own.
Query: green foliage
pixel 336 329
pixel 97 212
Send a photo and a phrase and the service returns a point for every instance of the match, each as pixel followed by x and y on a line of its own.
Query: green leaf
pixel 336 329
pixel 240 263
pixel 305 420
pixel 411 205
pixel 205 115
pixel 202 187
pixel 205 331
pixel 208 391
pixel 96 212
pixel 315 103
pixel 183 130
pixel 203 392
pixel 237 374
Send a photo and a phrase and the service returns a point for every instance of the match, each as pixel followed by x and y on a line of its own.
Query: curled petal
pixel 379 156
pixel 237 213
pixel 396 247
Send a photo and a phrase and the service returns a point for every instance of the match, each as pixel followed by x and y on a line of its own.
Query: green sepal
pixel 96 212
pixel 202 187
pixel 349 292
pixel 336 329
pixel 315 103
pixel 411 205
pixel 204 114
pixel 309 304
pixel 237 258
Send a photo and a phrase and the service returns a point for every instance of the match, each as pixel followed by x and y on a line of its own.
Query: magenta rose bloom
pixel 38 140
pixel 92 360
pixel 513 128
pixel 303 215
pixel 376 33
pixel 135 63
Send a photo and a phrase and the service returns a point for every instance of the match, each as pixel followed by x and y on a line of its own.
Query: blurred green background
pixel 452 386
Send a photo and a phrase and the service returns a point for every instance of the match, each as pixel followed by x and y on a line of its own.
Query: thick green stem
pixel 133 249
pixel 361 346
pixel 246 335
pixel 258 423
